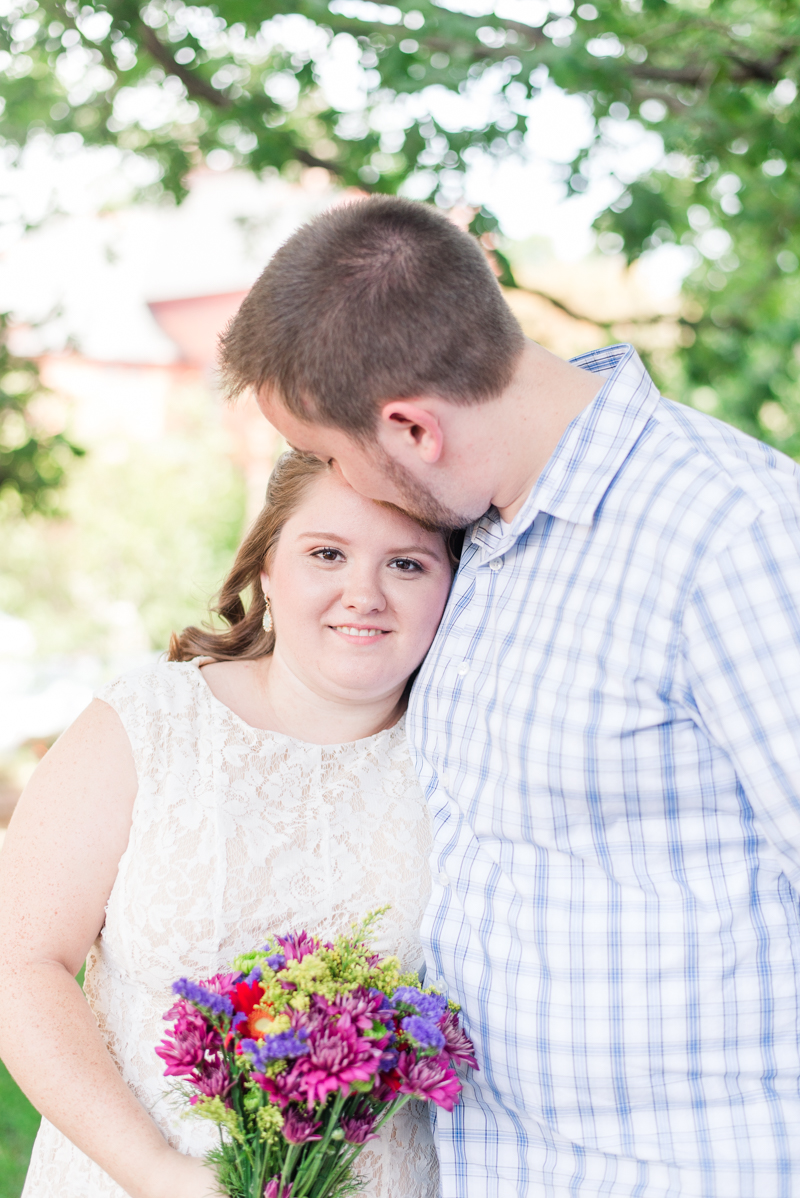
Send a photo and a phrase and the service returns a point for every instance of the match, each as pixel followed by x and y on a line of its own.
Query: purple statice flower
pixel 430 1006
pixel 201 996
pixel 423 1032
pixel 298 1128
pixel 357 1127
pixel 388 1060
pixel 276 961
pixel 429 1078
pixel 297 945
pixel 253 976
pixel 186 1045
pixel 383 1002
pixel 457 1045
pixel 275 1048
pixel 274 1189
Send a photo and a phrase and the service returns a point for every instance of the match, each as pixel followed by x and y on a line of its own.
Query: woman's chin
pixel 362 680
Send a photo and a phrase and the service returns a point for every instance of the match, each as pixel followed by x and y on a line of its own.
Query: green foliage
pixel 32 462
pixel 716 79
pixel 151 533
pixel 19 1123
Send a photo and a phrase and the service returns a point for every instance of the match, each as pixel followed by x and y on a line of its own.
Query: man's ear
pixel 411 427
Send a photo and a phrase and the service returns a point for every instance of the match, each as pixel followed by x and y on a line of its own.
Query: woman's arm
pixel 57 868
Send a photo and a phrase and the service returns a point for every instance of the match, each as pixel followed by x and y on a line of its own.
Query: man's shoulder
pixel 696 484
pixel 731 459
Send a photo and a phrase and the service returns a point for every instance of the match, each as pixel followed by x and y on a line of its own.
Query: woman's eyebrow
pixel 340 540
pixel 326 536
pixel 419 549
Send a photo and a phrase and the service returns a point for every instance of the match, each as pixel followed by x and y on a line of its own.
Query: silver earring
pixel 267 620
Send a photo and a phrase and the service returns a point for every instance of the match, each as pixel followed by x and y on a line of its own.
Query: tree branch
pixel 309 159
pixel 194 85
pixel 200 90
pixel 745 70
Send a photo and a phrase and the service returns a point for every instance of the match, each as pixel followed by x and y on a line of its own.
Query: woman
pixel 257 781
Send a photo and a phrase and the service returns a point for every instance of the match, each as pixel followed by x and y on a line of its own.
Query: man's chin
pixel 433 516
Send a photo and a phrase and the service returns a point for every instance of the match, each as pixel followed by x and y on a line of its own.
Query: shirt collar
pixel 590 452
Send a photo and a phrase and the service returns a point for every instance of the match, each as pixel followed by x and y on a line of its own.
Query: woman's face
pixel 357 592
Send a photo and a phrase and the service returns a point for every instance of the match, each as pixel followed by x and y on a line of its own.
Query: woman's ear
pixel 265 582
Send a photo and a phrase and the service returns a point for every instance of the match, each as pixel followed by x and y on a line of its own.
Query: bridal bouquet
pixel 302 1052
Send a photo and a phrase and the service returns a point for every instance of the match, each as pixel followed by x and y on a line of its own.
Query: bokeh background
pixel 630 166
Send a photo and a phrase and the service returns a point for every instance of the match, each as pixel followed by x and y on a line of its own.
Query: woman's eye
pixel 406 565
pixel 329 555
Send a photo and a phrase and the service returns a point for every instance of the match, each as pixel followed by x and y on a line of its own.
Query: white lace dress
pixel 237 834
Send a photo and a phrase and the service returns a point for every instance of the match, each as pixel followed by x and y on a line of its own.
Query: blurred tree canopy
pixel 33 461
pixel 717 80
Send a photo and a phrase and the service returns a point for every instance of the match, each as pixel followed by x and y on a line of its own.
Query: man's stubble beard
pixel 418 502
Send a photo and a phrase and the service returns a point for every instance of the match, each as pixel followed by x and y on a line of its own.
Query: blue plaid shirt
pixel 607 728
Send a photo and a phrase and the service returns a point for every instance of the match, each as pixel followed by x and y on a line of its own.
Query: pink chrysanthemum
pixel 274 1189
pixel 299 1128
pixel 457 1045
pixel 428 1078
pixel 187 1044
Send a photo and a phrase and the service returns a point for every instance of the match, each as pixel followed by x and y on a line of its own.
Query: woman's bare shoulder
pixel 65 840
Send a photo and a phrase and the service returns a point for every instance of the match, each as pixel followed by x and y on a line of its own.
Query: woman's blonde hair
pixel 245 638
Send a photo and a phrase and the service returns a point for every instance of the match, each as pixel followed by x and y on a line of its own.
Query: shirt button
pixel 444 880
pixel 462 669
pixel 496 563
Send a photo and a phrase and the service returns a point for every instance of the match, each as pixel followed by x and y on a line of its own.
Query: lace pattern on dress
pixel 239 833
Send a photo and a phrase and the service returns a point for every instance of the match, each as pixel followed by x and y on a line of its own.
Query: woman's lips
pixel 362 635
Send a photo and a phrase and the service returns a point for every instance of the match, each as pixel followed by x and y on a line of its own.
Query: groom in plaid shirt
pixel 607 726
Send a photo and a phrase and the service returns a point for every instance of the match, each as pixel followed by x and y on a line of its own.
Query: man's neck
pixel 530 418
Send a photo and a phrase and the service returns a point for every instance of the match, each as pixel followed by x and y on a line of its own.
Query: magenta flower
pixel 285 1087
pixel 297 1128
pixel 213 1078
pixel 338 1056
pixel 274 1189
pixel 223 983
pixel 457 1045
pixel 428 1078
pixel 358 1126
pixel 364 1007
pixel 297 945
pixel 187 1044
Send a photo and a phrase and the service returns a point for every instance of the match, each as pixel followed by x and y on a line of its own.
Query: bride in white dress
pixel 257 782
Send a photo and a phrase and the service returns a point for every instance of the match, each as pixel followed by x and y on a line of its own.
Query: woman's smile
pixel 368 575
pixel 361 634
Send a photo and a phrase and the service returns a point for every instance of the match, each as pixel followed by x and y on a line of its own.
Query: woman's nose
pixel 362 593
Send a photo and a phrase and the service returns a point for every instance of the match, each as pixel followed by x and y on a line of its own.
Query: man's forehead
pixel 303 435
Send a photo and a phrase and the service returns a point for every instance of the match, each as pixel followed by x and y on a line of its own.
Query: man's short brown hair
pixel 374 300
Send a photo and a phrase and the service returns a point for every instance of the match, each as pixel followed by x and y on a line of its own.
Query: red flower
pixel 245 996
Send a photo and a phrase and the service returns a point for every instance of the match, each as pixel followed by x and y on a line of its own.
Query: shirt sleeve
pixel 742 652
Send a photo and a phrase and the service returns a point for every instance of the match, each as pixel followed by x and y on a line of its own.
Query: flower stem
pixel 317 1161
pixel 344 1163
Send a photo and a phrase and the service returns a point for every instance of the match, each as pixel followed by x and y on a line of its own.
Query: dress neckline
pixel 214 702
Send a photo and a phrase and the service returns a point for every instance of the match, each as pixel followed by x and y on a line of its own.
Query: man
pixel 607 726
